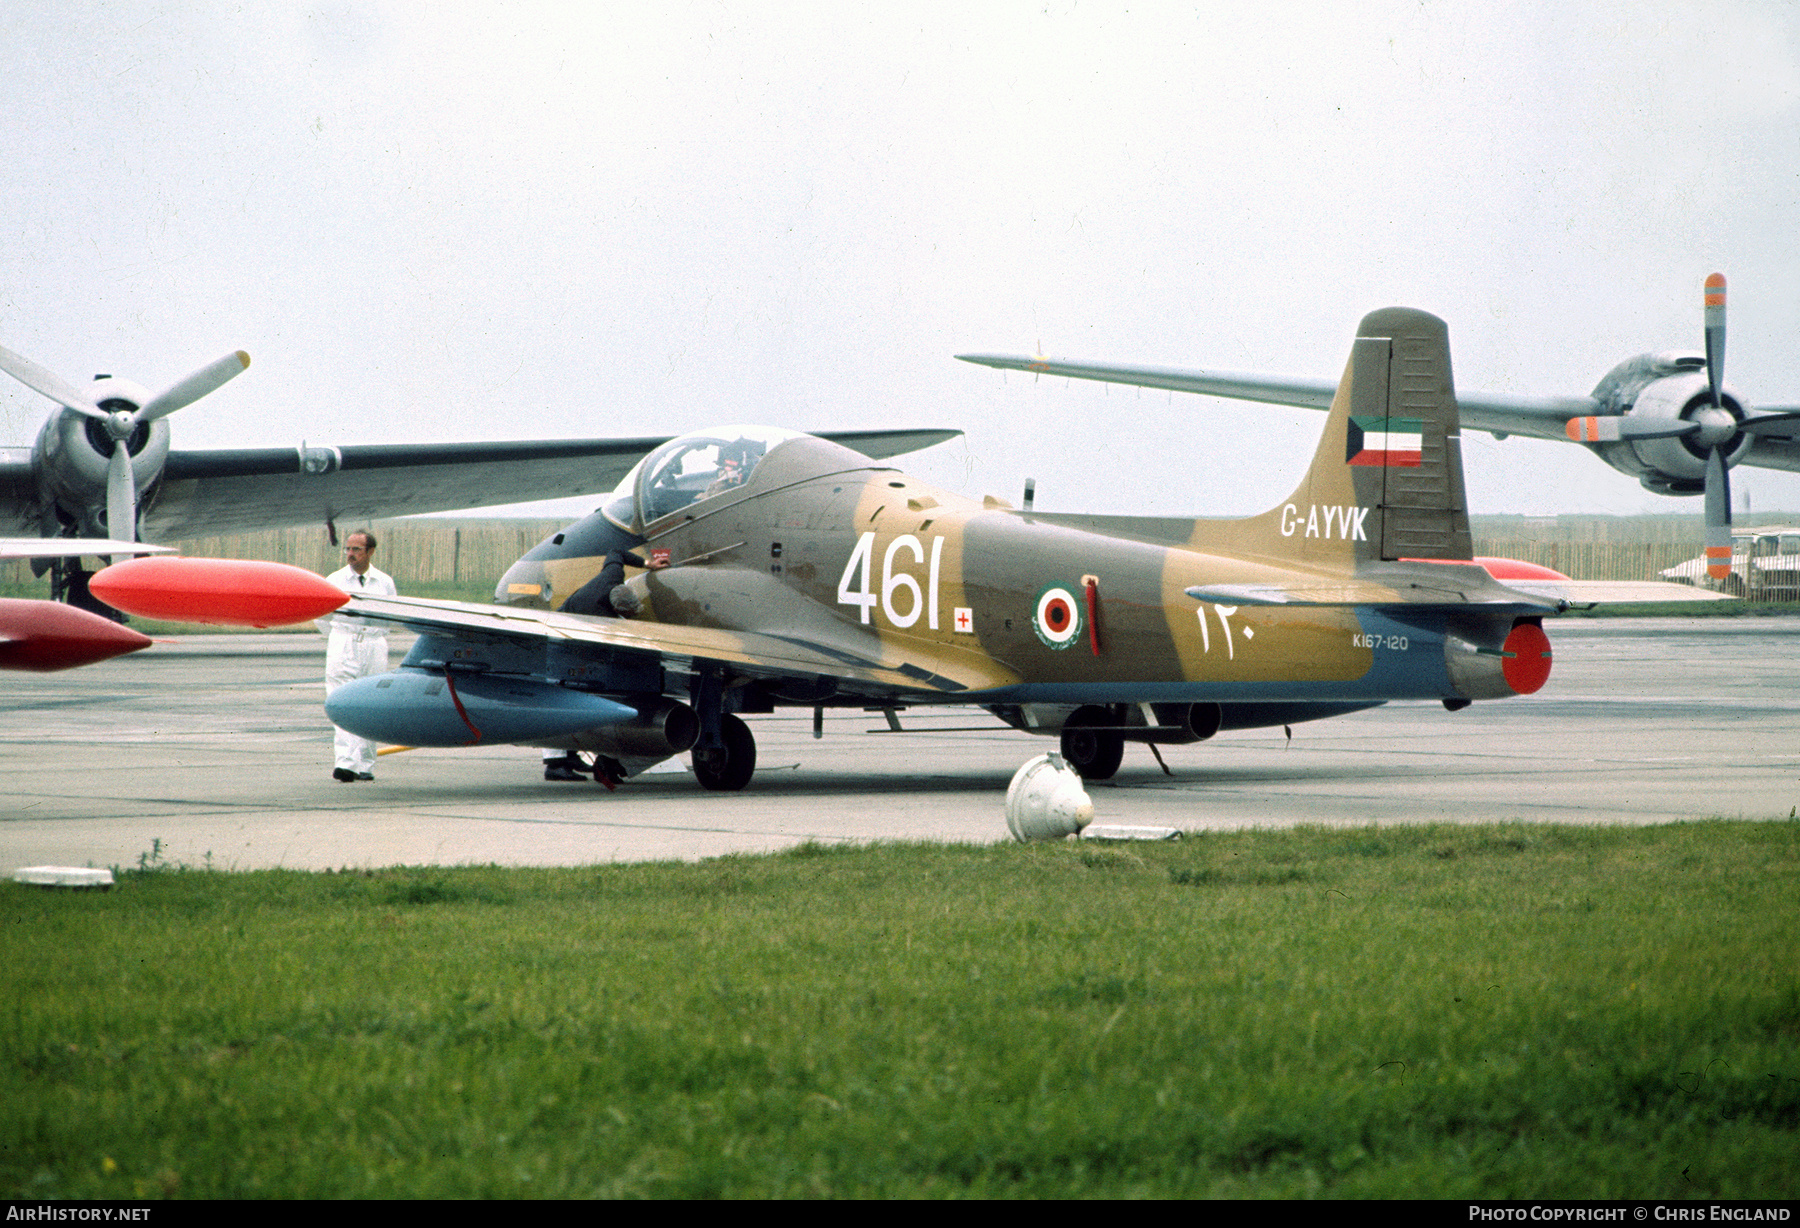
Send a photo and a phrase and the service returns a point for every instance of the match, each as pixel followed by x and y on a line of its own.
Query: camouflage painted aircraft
pixel 803 574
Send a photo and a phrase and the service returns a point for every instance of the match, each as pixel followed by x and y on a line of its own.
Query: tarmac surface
pixel 214 750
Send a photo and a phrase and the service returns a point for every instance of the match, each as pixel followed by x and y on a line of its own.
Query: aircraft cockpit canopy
pixel 691 468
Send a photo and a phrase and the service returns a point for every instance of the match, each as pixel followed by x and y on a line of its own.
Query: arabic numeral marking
pixel 891 581
pixel 859 560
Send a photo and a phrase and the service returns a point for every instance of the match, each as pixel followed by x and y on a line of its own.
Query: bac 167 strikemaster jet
pixel 803 574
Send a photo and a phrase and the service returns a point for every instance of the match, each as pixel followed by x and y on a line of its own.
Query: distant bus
pixel 1765 566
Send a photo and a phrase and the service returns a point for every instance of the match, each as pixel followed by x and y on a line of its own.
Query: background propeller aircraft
pixel 1666 419
pixel 804 574
pixel 102 466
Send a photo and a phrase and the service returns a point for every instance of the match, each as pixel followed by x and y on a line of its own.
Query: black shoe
pixel 343 774
pixel 569 767
pixel 365 776
pixel 608 772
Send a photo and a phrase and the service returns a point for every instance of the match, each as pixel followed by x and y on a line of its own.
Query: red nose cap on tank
pixel 1525 658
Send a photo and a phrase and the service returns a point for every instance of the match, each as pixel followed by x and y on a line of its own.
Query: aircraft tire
pixel 1094 753
pixel 729 770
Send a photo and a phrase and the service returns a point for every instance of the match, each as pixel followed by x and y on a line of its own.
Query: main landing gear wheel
pixel 729 769
pixel 1095 753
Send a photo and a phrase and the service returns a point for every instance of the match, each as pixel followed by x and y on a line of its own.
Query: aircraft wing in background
pixel 245 490
pixel 1539 417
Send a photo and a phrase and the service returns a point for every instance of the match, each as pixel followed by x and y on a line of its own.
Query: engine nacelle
pixel 73 451
pixel 1665 388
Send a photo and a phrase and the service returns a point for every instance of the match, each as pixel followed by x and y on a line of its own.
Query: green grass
pixel 1445 1011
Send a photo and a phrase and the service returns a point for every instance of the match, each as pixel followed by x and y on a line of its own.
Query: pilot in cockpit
pixel 736 460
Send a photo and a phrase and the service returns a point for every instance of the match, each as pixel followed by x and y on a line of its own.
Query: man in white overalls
pixel 356 648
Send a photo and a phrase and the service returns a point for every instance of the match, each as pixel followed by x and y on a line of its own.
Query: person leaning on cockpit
pixel 607 596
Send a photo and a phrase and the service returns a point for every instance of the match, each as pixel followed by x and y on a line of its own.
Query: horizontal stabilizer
pixel 1586 594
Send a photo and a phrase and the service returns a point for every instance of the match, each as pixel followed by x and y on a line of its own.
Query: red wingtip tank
pixel 43 636
pixel 218 592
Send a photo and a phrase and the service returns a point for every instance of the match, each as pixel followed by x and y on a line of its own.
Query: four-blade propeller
pixel 1719 430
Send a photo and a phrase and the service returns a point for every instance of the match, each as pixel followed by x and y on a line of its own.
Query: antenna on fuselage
pixel 1030 492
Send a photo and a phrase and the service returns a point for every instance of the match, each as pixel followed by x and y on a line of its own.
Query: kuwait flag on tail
pixel 1386 442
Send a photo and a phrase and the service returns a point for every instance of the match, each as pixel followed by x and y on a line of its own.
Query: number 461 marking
pixel 915 602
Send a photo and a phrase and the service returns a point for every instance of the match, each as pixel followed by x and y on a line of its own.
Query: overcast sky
pixel 481 221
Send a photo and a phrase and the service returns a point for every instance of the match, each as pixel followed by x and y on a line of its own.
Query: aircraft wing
pixel 1539 417
pixel 244 490
pixel 1305 392
pixel 756 654
pixel 70 547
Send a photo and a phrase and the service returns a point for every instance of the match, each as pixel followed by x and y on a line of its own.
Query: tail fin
pixel 1386 482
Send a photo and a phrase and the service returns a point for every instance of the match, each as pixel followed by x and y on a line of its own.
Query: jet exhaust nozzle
pixel 659 729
